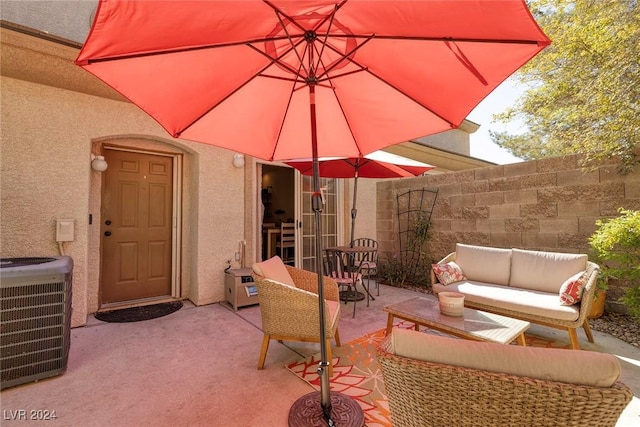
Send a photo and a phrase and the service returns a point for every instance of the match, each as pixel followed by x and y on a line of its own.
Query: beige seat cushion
pixel 567 366
pixel 274 269
pixel 475 260
pixel 526 301
pixel 334 311
pixel 544 271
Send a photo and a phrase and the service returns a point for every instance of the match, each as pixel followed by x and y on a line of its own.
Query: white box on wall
pixel 64 230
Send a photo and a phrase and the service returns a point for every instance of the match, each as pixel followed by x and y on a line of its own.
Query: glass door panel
pixel 329 219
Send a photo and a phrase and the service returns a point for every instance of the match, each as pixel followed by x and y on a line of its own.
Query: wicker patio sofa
pixel 439 381
pixel 523 284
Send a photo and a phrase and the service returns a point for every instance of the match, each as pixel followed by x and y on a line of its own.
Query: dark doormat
pixel 136 314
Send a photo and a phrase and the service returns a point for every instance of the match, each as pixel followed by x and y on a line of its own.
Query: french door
pixel 330 219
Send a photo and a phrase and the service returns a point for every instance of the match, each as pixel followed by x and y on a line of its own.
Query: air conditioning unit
pixel 35 318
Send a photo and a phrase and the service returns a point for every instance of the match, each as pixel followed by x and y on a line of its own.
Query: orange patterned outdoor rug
pixel 357 374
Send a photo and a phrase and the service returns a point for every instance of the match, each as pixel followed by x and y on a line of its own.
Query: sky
pixel 500 99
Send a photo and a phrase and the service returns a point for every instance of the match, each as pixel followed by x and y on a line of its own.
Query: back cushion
pixel 274 269
pixel 484 264
pixel 549 364
pixel 544 271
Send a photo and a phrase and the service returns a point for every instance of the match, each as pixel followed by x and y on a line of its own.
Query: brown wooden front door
pixel 136 226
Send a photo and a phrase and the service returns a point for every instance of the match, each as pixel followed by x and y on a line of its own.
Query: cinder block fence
pixel 549 204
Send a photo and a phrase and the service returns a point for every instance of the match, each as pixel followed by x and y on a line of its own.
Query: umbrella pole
pixel 316 204
pixel 354 211
pixel 334 406
pixel 323 370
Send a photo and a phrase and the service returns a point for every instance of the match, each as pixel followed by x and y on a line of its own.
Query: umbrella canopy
pixel 366 167
pixel 280 79
pixel 229 73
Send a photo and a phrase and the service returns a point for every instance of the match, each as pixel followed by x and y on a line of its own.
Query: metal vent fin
pixel 35 320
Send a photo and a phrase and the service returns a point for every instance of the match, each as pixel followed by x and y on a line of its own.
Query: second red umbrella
pixel 370 166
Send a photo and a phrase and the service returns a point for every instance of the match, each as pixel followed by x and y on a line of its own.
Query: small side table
pixel 240 288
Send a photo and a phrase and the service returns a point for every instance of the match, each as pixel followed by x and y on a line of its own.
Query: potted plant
pixel 616 247
pixel 599 299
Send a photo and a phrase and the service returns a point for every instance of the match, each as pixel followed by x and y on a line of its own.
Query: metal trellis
pixel 415 208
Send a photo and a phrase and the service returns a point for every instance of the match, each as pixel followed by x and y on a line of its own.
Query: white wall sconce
pixel 98 163
pixel 238 160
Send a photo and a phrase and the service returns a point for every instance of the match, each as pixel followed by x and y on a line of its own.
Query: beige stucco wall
pixel 47 137
pixel 549 204
pixel 366 205
pixel 455 140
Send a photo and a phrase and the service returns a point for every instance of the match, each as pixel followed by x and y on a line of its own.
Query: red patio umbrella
pixel 368 166
pixel 283 80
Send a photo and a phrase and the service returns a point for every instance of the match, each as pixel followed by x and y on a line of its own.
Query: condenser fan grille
pixel 35 318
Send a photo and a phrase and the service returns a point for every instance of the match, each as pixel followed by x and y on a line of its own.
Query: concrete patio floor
pixel 197 367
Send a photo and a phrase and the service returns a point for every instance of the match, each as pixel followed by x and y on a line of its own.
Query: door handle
pixel 107 222
pixel 107 233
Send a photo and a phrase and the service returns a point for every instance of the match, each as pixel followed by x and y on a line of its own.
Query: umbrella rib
pixel 357 164
pixel 177 50
pixel 326 36
pixel 438 39
pixel 288 79
pixel 355 140
pixel 294 22
pixel 346 73
pixel 240 86
pixel 405 94
pixel 332 87
pixel 258 74
pixel 459 54
pixel 293 45
pixel 344 57
pixel 360 153
pixel 278 61
pixel 279 12
pixel 273 152
pixel 266 39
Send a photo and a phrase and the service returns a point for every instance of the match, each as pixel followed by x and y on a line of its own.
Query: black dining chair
pixel 338 266
pixel 368 260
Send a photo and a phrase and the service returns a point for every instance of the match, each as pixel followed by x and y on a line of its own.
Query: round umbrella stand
pixel 305 412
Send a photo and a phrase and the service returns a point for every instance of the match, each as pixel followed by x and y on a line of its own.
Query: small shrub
pixel 394 272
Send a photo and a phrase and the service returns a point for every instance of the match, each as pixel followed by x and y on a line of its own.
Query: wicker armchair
pixel 292 313
pixel 423 393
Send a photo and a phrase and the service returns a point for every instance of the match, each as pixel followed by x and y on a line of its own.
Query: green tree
pixel 583 91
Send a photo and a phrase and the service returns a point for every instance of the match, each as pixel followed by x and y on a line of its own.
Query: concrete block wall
pixel 549 204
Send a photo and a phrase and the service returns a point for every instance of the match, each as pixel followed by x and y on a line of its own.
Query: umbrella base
pixel 307 411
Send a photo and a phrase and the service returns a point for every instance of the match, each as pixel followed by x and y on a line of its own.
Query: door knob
pixel 107 222
pixel 107 233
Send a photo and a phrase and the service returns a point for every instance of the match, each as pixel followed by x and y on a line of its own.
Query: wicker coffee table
pixel 474 324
